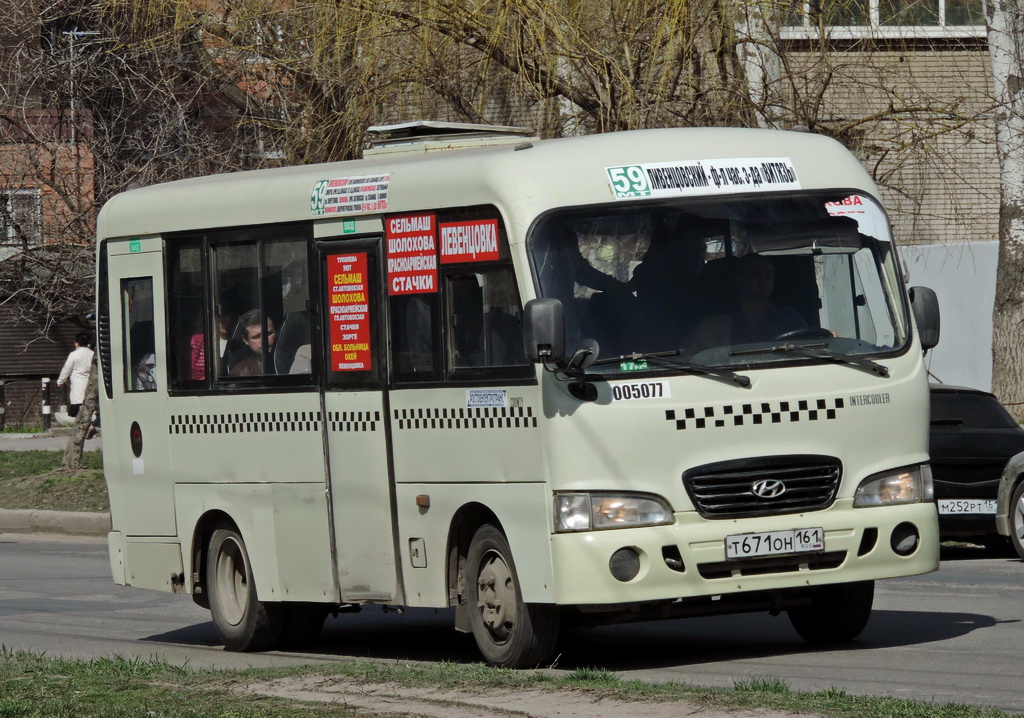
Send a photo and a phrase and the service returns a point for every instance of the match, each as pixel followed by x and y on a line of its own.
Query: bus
pixel 544 383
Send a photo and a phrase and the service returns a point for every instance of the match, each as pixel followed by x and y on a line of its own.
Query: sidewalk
pixel 54 440
pixel 75 523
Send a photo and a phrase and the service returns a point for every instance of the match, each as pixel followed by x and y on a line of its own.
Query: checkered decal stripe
pixel 246 422
pixel 353 420
pixel 477 418
pixel 782 412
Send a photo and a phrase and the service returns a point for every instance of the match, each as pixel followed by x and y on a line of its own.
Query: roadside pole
pixel 46 404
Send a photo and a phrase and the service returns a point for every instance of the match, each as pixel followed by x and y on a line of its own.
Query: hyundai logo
pixel 768 488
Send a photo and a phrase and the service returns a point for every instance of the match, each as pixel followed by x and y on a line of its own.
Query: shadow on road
pixel 426 635
pixel 972 552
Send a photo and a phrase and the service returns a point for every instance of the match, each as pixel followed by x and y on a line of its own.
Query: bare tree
pixel 1005 22
pixel 159 89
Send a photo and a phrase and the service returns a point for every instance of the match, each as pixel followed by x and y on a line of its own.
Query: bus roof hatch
pixel 423 136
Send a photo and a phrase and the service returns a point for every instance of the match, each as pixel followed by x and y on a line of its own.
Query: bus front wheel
pixel 243 622
pixel 836 613
pixel 508 632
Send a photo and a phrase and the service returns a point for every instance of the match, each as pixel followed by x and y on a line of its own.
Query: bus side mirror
pixel 544 330
pixel 926 313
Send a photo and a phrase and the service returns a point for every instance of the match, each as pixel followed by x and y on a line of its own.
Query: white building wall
pixel 963 276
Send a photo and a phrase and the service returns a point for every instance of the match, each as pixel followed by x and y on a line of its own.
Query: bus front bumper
pixel 688 558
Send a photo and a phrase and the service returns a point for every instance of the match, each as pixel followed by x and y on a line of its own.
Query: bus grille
pixel 763 486
pixel 782 564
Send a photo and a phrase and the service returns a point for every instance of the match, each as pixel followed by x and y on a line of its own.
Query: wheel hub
pixel 496 597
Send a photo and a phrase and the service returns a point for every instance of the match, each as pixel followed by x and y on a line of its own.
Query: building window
pixel 20 222
pixel 904 18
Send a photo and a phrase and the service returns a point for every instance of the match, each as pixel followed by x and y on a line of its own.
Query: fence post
pixel 46 404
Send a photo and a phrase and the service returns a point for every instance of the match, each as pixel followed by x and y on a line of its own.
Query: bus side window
pixel 236 292
pixel 187 314
pixel 292 348
pixel 262 303
pixel 414 336
pixel 485 324
pixel 139 335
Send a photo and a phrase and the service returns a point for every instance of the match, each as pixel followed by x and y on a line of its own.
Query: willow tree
pixel 177 88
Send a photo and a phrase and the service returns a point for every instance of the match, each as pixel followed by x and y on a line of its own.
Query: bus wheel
pixel 836 613
pixel 243 622
pixel 508 632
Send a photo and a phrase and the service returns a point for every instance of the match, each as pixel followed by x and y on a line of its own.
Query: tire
pixel 1016 519
pixel 836 613
pixel 508 632
pixel 243 622
pixel 303 623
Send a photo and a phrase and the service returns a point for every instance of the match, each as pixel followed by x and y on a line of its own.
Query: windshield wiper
pixel 660 358
pixel 818 351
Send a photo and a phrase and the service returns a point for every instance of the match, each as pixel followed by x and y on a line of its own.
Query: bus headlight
pixel 909 485
pixel 589 511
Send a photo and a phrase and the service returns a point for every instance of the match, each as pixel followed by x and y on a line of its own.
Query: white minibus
pixel 546 383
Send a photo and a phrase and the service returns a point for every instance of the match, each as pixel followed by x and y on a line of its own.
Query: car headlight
pixel 909 485
pixel 587 511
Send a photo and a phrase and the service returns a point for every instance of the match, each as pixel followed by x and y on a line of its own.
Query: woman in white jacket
pixel 76 369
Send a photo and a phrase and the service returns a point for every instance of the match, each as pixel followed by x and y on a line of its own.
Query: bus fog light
pixel 624 564
pixel 905 539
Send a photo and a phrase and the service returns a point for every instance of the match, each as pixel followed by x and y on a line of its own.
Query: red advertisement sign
pixel 349 307
pixel 472 241
pixel 412 254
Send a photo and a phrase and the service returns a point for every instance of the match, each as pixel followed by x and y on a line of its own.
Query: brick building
pixel 46 189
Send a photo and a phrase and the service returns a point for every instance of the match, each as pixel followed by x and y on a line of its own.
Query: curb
pixel 72 523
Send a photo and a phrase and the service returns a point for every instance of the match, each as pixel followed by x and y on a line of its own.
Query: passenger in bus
pixel 197 356
pixel 252 337
pixel 145 373
pixel 224 323
pixel 754 316
pixel 666 286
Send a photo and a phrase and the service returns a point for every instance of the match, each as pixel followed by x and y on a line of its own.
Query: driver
pixel 755 317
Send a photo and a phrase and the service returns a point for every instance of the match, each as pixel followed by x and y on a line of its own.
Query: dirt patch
pixel 81 490
pixel 392 698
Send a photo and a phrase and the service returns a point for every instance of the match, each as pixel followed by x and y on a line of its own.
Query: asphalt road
pixel 949 636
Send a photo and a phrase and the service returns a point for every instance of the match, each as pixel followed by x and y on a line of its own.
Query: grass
pixel 18 429
pixel 35 480
pixel 34 685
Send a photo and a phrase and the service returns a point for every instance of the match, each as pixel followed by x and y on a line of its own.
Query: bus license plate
pixel 775 543
pixel 967 506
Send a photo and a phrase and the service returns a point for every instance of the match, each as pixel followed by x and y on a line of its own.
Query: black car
pixel 972 438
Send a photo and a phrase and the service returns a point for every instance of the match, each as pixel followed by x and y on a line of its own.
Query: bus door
pixel 355 420
pixel 135 433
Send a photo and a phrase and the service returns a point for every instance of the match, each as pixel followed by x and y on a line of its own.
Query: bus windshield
pixel 728 283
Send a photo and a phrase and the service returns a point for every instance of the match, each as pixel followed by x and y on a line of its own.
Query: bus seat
pixel 294 333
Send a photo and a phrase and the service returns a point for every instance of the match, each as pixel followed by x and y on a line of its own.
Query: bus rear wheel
pixel 508 632
pixel 243 622
pixel 836 613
